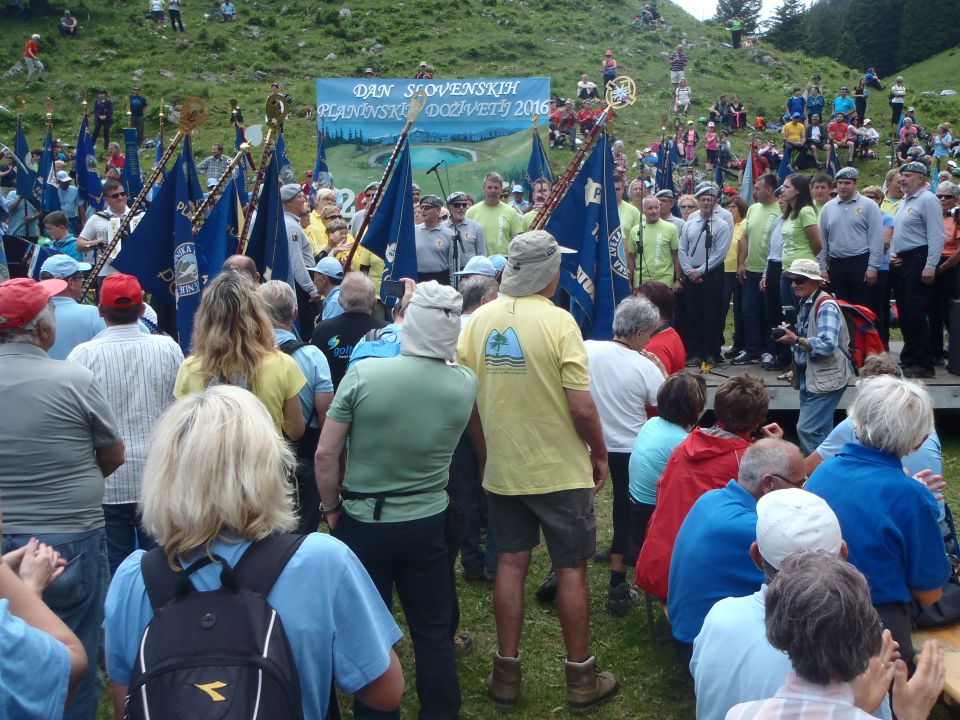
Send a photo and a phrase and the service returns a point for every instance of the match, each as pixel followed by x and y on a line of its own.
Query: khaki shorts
pixel 676 76
pixel 566 518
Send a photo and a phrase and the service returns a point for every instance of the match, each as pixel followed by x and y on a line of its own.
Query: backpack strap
pixel 163 583
pixel 264 560
pixel 291 346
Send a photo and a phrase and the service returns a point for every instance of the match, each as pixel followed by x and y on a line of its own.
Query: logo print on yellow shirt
pixel 503 350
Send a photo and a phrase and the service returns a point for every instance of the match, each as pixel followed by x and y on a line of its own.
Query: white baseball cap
pixel 793 519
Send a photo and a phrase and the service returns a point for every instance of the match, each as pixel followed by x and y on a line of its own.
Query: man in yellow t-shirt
pixel 499 221
pixel 794 134
pixel 546 458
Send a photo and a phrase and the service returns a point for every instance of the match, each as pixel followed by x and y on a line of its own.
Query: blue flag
pixel 85 169
pixel 587 220
pixel 287 173
pixel 537 166
pixel 267 244
pixel 390 234
pixel 46 176
pixel 38 257
pixel 132 180
pixel 217 239
pixel 718 176
pixel 833 162
pixel 320 166
pixel 241 174
pixel 784 166
pixel 27 186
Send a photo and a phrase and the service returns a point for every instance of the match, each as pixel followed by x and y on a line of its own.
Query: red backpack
pixel 862 328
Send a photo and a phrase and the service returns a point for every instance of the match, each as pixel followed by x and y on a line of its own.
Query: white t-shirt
pixel 622 383
pixel 100 227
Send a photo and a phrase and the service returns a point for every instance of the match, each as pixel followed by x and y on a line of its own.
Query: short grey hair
pixel 30 332
pixel 476 289
pixel 818 611
pixel 948 187
pixel 493 176
pixel 635 314
pixel 357 293
pixel 279 300
pixel 891 414
pixel 764 457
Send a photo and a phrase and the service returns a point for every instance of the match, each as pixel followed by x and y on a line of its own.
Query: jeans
pixel 816 414
pixel 755 330
pixel 413 557
pixel 466 491
pixel 124 533
pixel 77 598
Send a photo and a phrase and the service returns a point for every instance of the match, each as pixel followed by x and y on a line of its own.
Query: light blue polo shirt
pixel 315 368
pixel 76 323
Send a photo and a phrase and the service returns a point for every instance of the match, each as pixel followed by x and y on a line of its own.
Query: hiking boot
pixel 620 599
pixel 603 556
pixel 694 361
pixel 587 687
pixel 546 591
pixel 462 644
pixel 503 684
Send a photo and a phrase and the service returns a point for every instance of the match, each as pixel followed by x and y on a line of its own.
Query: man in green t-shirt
pixel 752 252
pixel 499 221
pixel 392 510
pixel 655 257
pixel 541 191
pixel 630 217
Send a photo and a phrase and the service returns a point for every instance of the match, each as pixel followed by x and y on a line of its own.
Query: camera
pixel 790 318
pixel 955 213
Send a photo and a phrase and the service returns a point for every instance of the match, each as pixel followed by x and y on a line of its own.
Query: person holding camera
pixel 819 341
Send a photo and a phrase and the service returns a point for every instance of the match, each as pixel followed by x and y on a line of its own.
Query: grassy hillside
pixel 294 42
pixel 928 78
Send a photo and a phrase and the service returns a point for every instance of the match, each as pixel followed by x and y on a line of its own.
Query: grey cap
pixel 289 192
pixel 431 200
pixel 532 263
pixel 707 188
pixel 666 194
pixel 847 173
pixel 915 167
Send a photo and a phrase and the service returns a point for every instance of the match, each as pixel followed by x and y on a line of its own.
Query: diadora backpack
pixel 861 325
pixel 217 655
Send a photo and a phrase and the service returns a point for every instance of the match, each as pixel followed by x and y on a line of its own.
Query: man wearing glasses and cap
pixel 103 224
pixel 70 203
pixel 918 239
pixel 434 243
pixel 470 242
pixel 666 198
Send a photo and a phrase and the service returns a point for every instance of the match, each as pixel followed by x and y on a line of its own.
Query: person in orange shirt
pixel 31 58
pixel 945 282
pixel 840 137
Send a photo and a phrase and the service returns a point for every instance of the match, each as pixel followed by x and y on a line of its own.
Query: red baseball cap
pixel 120 291
pixel 22 299
pixel 730 191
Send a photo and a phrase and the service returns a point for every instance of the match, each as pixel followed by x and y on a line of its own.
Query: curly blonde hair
pixel 232 333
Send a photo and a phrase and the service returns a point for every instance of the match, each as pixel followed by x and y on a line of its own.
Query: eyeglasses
pixel 791 483
pixel 458 204
pixel 116 195
pixel 688 207
pixel 945 197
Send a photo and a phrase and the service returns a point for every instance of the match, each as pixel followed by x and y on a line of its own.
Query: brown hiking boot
pixel 503 684
pixel 587 687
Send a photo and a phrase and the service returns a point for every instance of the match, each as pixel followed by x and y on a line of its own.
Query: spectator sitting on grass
pixel 586 89
pixel 68 24
pixel 682 97
pixel 228 11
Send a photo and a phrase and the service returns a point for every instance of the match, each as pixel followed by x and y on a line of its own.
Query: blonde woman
pixel 215 482
pixel 687 204
pixel 233 344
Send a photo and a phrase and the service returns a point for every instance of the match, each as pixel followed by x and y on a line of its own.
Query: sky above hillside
pixel 704 9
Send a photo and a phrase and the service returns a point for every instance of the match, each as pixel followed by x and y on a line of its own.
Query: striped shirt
pixel 136 372
pixel 799 699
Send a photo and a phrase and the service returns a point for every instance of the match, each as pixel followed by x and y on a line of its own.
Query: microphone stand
pixel 457 240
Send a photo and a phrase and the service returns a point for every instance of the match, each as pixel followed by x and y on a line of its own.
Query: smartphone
pixel 396 288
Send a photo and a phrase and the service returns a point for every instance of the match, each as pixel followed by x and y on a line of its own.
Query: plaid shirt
pixel 214 167
pixel 828 318
pixel 799 699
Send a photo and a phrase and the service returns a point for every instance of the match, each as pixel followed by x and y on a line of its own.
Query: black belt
pixel 380 497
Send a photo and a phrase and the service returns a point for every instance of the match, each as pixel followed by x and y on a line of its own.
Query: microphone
pixel 434 168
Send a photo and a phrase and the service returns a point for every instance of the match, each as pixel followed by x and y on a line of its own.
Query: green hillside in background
pixel 294 42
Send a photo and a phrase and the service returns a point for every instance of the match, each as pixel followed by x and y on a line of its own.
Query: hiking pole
pixel 417 103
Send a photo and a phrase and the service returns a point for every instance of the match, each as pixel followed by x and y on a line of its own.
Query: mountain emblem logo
pixel 503 350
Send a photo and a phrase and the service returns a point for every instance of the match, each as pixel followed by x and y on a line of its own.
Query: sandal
pixel 787 376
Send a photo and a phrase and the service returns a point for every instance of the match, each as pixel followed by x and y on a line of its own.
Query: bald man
pixel 243 264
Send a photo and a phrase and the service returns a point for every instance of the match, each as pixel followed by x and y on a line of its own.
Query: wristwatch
pixel 324 512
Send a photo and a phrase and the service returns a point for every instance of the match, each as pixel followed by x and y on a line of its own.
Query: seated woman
pixel 218 493
pixel 737 114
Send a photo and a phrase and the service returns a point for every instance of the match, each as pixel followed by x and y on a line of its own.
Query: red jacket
pixel 705 460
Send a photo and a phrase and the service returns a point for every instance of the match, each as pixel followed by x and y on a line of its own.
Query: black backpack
pixel 221 654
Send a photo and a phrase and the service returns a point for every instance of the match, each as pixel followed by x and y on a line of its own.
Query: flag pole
pixel 417 103
pixel 193 114
pixel 278 106
pixel 621 91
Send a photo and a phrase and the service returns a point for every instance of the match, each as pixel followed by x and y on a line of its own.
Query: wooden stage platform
pixel 944 388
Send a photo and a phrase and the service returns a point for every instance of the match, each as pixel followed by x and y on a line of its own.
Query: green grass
pixel 484 38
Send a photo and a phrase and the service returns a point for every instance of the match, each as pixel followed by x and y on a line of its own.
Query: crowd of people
pixel 143 481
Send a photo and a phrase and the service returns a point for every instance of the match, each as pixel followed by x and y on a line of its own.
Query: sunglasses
pixel 688 207
pixel 458 204
pixel 798 281
pixel 945 197
pixel 790 482
pixel 116 195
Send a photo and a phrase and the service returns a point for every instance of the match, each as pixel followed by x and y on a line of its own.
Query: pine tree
pixel 747 10
pixel 786 29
